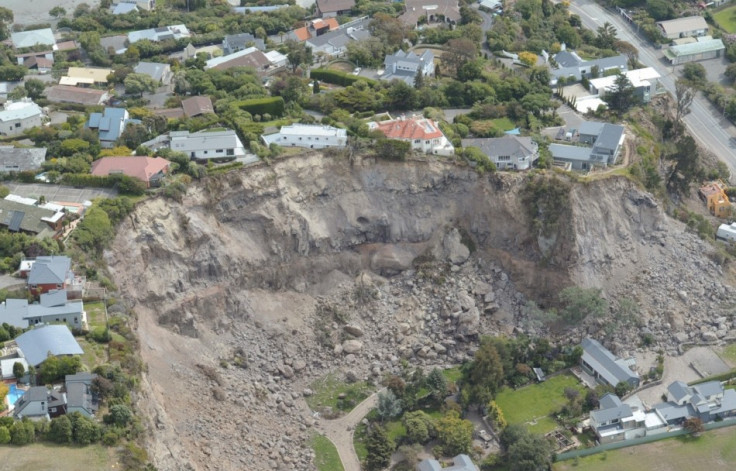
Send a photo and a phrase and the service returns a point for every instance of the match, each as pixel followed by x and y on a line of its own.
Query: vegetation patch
pixel 326 456
pixel 332 394
pixel 532 405
pixel 546 200
pixel 726 19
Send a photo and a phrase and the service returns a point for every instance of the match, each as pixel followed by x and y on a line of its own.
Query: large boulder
pixel 352 346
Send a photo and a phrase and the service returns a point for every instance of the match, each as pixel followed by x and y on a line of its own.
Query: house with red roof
pixel 149 170
pixel 423 134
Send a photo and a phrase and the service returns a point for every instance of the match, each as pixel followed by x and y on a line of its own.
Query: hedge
pixel 337 77
pixel 125 184
pixel 272 105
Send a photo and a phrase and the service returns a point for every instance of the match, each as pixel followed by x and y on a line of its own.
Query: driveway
pixel 572 118
pixel 60 193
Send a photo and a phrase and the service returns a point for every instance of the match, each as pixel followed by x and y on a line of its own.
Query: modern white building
pixel 310 136
pixel 277 59
pixel 423 134
pixel 18 116
pixel 207 145
pixel 159 34
pixel 643 80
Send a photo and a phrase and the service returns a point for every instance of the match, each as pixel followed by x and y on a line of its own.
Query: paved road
pixel 706 124
pixel 340 431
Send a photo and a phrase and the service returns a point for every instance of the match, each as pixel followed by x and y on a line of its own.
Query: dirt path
pixel 340 431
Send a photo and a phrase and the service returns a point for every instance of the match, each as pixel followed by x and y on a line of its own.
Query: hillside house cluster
pixel 41 403
pixel 599 145
pixel 53 307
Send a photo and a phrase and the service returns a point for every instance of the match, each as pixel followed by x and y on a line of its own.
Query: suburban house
pixel 423 134
pixel 332 8
pixel 314 28
pixel 605 367
pixel 79 395
pixel 159 34
pixel 7 87
pixel 53 308
pixel 207 145
pixel 707 401
pixel 508 152
pixel 116 44
pixel 85 76
pixel 430 11
pixel 703 48
pixel 334 43
pixel 123 8
pixel 160 73
pixel 714 196
pixel 147 5
pixel 149 170
pixel 110 124
pixel 237 42
pixel 21 159
pixel 310 136
pixel 572 67
pixel 18 116
pixel 407 65
pixel 250 57
pixel 36 403
pixel 459 463
pixel 276 58
pixel 36 37
pixel 689 26
pixel 615 421
pixel 197 105
pixel 606 141
pixel 46 58
pixel 39 63
pixel 644 82
pixel 30 219
pixel 48 273
pixel 43 340
pixel 78 95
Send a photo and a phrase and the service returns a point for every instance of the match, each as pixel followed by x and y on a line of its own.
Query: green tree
pixel 529 452
pixel 482 377
pixel 454 434
pixel 684 96
pixel 120 415
pixel 73 146
pixel 315 87
pixel 437 384
pixel 298 54
pixel 84 430
pixel 18 370
pixel 49 370
pixel 388 405
pixel 607 36
pixel 6 19
pixel 660 9
pixel 621 95
pixel 695 73
pixel 138 84
pixel 419 426
pixel 60 430
pixel 684 168
pixel 12 73
pixel 22 432
pixel 400 96
pixel 580 303
pixel 34 88
pixel 694 425
pixel 380 447
pixel 57 12
pixel 4 435
pixel 95 230
pixel 622 387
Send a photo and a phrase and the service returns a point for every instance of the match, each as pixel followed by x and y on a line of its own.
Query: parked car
pixel 357 71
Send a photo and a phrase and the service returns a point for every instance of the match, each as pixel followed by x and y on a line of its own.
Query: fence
pixel 638 441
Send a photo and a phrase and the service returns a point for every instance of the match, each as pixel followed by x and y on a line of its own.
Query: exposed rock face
pixel 310 266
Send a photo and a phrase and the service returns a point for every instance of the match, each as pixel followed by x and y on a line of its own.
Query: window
pixel 57 319
pixel 427 141
pixel 417 141
pixel 219 151
pixel 230 152
pixel 75 320
pixel 205 152
pixel 17 125
pixel 300 138
pixel 504 158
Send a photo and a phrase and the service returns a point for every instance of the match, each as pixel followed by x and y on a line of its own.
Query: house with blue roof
pixel 38 343
pixel 47 273
pixel 110 124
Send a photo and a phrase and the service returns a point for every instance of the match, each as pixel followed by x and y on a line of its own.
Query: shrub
pixel 271 105
pixel 391 149
pixel 337 77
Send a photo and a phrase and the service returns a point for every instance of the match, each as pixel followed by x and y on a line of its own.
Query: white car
pixel 357 71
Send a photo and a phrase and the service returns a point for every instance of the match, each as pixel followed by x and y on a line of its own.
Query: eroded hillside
pixel 419 258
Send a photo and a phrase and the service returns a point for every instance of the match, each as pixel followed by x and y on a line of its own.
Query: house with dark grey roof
pixel 459 463
pixel 110 124
pixel 614 419
pixel 34 404
pixel 604 366
pixel 237 42
pixel 605 140
pixel 159 34
pixel 21 159
pixel 334 43
pixel 406 66
pixel 52 308
pixel 508 152
pixel 35 220
pixel 160 73
pixel 331 8
pixel 48 273
pixel 706 401
pixel 44 340
pixel 79 395
pixel 572 67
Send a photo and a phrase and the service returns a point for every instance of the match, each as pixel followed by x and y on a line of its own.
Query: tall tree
pixel 380 447
pixel 6 19
pixel 437 384
pixel 621 96
pixel 684 96
pixel 455 434
pixel 483 376
pixel 684 169
pixel 607 36
pixel 298 54
pixel 137 84
pixel 388 405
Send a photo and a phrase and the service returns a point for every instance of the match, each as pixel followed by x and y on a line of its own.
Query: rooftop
pixel 197 105
pixel 250 57
pixel 19 159
pixel 142 168
pixel 333 6
pixel 699 47
pixel 15 110
pixel 39 342
pixel 603 361
pixel 683 25
pixel 23 39
pixel 70 94
pixel 155 70
pixel 409 128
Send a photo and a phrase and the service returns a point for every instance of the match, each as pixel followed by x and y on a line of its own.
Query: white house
pixel 423 134
pixel 308 135
pixel 277 59
pixel 18 116
pixel 207 145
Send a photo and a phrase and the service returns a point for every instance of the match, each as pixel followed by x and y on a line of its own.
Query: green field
pixel 46 457
pixel 326 457
pixel 504 124
pixel 713 451
pixel 532 405
pixel 328 389
pixel 728 354
pixel 726 19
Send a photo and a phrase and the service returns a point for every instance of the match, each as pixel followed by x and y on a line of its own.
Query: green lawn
pixel 47 457
pixel 328 389
pixel 728 354
pixel 95 314
pixel 326 457
pixel 452 375
pixel 532 405
pixel 726 19
pixel 504 124
pixel 713 451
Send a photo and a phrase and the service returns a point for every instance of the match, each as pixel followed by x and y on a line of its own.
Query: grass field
pixel 535 403
pixel 713 451
pixel 726 19
pixel 328 389
pixel 504 124
pixel 326 457
pixel 342 66
pixel 47 457
pixel 728 354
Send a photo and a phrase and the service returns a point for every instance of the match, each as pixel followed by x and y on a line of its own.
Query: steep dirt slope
pixel 262 268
